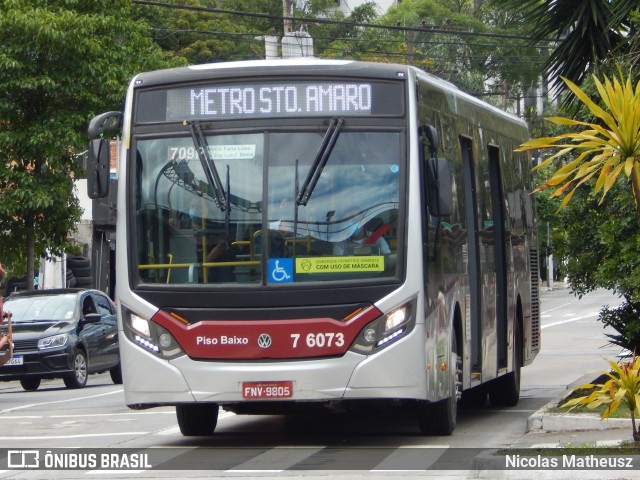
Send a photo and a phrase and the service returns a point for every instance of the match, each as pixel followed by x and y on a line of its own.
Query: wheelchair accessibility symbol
pixel 280 270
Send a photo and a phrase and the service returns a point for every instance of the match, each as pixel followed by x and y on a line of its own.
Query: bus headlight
pixel 150 336
pixel 386 329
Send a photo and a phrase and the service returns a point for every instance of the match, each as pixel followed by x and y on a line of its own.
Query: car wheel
pixel 30 383
pixel 78 379
pixel 116 374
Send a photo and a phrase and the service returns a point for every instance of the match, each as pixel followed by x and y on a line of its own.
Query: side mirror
pixel 439 187
pixel 99 153
pixel 92 318
pixel 98 168
pixel 104 122
pixel 434 139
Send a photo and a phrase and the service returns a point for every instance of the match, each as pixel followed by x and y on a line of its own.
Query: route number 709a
pixel 319 340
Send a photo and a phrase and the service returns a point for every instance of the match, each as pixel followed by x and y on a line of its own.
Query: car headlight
pixel 150 336
pixel 56 341
pixel 386 329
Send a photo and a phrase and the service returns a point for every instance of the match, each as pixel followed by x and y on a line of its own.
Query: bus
pixel 309 234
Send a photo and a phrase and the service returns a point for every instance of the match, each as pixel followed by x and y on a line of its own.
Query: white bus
pixel 308 233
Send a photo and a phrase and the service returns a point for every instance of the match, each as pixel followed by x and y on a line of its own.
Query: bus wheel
pixel 439 418
pixel 505 390
pixel 474 397
pixel 197 419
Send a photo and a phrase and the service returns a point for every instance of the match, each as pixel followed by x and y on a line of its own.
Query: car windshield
pixel 259 223
pixel 43 308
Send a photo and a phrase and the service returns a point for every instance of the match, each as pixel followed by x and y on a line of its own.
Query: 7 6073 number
pixel 319 340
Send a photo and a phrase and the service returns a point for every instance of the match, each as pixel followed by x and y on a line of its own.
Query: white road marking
pixel 22 407
pixel 62 437
pixel 569 320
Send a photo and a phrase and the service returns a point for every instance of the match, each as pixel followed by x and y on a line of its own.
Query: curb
pixel 544 422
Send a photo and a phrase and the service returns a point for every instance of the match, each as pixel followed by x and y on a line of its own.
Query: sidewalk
pixel 575 433
pixel 546 429
pixel 560 431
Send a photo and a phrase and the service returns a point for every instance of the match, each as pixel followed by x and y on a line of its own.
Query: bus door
pixel 500 252
pixel 486 260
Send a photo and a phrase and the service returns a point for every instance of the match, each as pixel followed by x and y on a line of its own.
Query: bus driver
pixel 360 237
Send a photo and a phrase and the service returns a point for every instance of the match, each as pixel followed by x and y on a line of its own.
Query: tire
pixel 116 375
pixel 84 281
pixel 505 391
pixel 439 418
pixel 474 397
pixel 78 261
pixel 78 379
pixel 79 272
pixel 30 384
pixel 197 419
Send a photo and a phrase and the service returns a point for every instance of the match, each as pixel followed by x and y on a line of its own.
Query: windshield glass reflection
pixel 265 236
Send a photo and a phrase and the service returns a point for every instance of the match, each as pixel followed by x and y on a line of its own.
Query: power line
pixel 349 39
pixel 333 22
pixel 249 38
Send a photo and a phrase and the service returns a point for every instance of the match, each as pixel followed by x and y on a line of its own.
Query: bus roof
pixel 306 66
pixel 309 66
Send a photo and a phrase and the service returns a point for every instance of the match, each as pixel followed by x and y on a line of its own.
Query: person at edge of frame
pixel 6 343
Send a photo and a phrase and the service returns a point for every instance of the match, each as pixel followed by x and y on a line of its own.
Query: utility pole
pixel 287 13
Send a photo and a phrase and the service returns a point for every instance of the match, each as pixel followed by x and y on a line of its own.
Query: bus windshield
pixel 346 229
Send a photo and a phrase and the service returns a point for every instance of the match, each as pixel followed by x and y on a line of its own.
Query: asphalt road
pixel 352 446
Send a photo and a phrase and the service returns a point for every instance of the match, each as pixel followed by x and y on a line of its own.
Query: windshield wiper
pixel 328 142
pixel 209 167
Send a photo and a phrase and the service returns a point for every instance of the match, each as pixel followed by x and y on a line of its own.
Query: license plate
pixel 267 390
pixel 15 360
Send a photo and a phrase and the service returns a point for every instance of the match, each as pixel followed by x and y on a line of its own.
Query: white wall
pixel 85 202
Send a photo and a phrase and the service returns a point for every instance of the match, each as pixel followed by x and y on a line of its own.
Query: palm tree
pixel 585 32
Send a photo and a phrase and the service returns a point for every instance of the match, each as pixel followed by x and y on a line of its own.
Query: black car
pixel 62 333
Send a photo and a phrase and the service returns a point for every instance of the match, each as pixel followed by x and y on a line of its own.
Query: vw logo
pixel 264 340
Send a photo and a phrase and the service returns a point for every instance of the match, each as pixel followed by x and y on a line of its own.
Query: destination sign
pixel 272 99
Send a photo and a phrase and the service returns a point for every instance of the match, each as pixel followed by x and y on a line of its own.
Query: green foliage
pixel 621 388
pixel 345 40
pixel 625 320
pixel 600 247
pixel 60 64
pixel 604 148
pixel 588 31
pixel 469 61
pixel 203 37
pixel 600 243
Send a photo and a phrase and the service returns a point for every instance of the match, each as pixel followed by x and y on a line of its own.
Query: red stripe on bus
pixel 266 339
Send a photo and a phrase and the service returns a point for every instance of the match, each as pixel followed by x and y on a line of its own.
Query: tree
pixel 203 34
pixel 469 43
pixel 585 32
pixel 61 62
pixel 599 248
pixel 233 30
pixel 345 39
